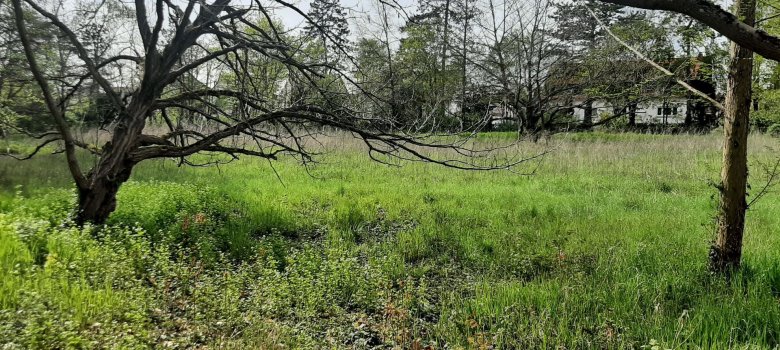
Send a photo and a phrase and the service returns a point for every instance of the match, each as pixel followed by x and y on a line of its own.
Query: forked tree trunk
pixel 97 200
pixel 726 252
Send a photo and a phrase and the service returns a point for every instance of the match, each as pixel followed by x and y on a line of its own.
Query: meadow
pixel 601 244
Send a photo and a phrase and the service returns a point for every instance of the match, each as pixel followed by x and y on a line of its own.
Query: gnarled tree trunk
pixel 97 197
pixel 98 201
pixel 726 252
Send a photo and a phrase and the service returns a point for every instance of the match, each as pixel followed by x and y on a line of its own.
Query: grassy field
pixel 604 246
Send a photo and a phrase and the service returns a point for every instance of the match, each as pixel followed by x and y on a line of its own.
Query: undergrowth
pixel 604 247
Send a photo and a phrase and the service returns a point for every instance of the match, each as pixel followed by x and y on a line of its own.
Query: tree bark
pixel 726 252
pixel 98 200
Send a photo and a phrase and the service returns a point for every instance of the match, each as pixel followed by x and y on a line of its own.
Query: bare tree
pixel 236 119
pixel 520 57
pixel 535 73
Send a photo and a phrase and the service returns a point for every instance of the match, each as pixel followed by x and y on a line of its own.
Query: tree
pixel 424 88
pixel 183 49
pixel 440 14
pixel 20 102
pixel 726 252
pixel 329 24
pixel 575 25
pixel 534 74
pixel 375 67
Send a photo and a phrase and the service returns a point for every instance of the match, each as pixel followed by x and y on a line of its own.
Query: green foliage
pixel 426 89
pixel 774 130
pixel 769 111
pixel 97 112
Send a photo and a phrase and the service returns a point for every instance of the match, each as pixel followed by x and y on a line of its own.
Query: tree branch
pixel 680 82
pixel 718 19
pixel 59 118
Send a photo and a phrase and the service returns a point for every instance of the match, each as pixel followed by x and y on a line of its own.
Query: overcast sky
pixel 358 11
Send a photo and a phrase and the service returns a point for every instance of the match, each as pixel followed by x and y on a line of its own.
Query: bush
pixel 505 127
pixel 774 130
pixel 769 113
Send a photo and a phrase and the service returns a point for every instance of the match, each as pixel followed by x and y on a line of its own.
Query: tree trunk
pixel 726 253
pixel 632 114
pixel 587 119
pixel 96 204
pixel 98 200
pixel 445 44
pixel 688 113
pixel 464 76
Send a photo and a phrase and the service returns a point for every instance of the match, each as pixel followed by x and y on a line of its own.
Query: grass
pixel 603 247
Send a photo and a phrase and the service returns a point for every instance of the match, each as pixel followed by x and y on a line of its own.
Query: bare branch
pixel 718 19
pixel 56 113
pixel 680 82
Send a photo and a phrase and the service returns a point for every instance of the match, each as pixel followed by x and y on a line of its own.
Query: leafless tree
pixel 519 59
pixel 177 38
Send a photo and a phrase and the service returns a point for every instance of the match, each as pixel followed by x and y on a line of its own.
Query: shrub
pixel 768 114
pixel 774 130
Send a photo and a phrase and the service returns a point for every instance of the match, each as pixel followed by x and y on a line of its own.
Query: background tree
pixel 21 105
pixel 583 38
pixel 328 23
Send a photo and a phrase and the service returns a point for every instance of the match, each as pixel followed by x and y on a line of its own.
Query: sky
pixel 358 12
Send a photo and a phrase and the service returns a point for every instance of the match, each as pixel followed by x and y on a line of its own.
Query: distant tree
pixel 328 22
pixel 576 26
pixel 531 72
pixel 440 14
pixel 425 89
pixel 582 34
pixel 21 105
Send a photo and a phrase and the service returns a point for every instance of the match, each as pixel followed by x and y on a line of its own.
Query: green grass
pixel 604 246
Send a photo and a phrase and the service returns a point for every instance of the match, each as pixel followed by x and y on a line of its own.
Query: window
pixel 664 111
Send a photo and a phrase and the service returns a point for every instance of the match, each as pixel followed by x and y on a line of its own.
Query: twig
pixel 771 182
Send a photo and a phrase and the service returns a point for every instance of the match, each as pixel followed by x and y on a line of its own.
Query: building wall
pixel 649 112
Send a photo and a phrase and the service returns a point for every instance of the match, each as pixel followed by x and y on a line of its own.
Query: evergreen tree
pixel 330 27
pixel 576 25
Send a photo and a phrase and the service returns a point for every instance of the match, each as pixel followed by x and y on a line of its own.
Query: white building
pixel 653 111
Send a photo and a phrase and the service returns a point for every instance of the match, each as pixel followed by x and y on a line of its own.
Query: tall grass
pixel 604 246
